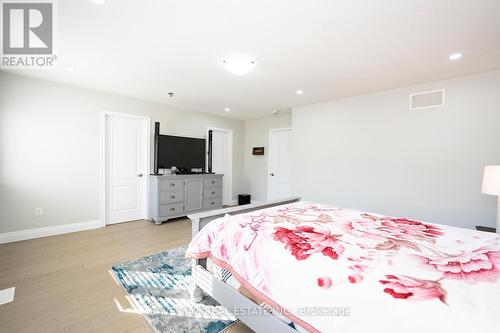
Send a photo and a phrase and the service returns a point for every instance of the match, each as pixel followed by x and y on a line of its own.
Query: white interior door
pixel 279 163
pixel 126 168
pixel 222 151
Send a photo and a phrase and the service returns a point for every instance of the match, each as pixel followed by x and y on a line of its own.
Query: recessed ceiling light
pixel 299 92
pixel 239 64
pixel 455 56
pixel 70 69
pixel 227 109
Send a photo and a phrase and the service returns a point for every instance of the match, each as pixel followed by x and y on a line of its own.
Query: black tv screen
pixel 181 152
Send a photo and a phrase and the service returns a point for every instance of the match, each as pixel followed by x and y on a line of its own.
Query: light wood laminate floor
pixel 63 283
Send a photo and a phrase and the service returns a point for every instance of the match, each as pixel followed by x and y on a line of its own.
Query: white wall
pixel 256 167
pixel 371 153
pixel 50 148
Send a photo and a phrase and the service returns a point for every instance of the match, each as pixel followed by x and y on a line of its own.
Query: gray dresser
pixel 179 195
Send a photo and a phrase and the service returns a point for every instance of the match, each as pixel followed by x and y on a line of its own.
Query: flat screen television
pixel 181 152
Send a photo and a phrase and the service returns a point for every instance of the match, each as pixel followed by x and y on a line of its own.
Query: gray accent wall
pixel 371 153
pixel 50 148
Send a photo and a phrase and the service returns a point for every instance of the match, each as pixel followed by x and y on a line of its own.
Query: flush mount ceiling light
pixel 299 92
pixel 227 109
pixel 455 56
pixel 238 64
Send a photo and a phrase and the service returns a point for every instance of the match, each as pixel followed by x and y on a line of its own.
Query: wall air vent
pixel 427 100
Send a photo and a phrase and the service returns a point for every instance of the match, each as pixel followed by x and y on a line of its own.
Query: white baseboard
pixel 20 235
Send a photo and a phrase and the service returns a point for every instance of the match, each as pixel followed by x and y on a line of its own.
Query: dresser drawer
pixel 171 209
pixel 212 182
pixel 212 203
pixel 212 192
pixel 171 197
pixel 171 185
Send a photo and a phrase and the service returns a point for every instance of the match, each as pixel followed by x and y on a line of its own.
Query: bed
pixel 306 267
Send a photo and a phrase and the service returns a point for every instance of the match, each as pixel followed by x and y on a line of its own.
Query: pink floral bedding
pixel 338 270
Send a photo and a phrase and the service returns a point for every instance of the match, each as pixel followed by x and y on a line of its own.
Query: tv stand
pixel 172 196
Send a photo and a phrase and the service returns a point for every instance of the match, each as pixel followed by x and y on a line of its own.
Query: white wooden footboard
pixel 202 219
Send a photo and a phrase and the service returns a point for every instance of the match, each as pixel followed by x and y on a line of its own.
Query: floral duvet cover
pixel 330 269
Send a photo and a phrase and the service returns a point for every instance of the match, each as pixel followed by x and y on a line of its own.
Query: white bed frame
pixel 225 294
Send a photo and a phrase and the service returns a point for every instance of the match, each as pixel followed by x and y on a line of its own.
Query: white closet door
pixel 279 163
pixel 125 168
pixel 222 160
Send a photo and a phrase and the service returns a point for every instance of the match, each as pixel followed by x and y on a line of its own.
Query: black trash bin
pixel 243 199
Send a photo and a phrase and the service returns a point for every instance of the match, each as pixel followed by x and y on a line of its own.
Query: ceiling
pixel 327 48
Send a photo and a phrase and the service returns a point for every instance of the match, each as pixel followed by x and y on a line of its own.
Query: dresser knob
pixel 172 197
pixel 172 209
pixel 172 184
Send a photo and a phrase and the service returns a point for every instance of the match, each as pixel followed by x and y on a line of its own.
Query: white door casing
pixel 126 167
pixel 222 160
pixel 279 163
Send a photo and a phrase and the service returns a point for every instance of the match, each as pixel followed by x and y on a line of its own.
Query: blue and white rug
pixel 158 285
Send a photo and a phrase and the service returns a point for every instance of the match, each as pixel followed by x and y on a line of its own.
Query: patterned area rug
pixel 158 287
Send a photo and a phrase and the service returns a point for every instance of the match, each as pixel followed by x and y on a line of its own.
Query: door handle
pixel 140 175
